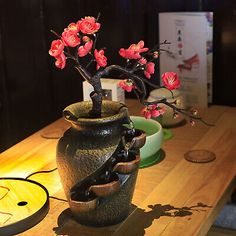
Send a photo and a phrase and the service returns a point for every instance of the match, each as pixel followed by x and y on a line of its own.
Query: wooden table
pixel 173 197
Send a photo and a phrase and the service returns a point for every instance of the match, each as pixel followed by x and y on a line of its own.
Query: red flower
pixel 72 27
pixel 127 85
pixel 100 58
pixel 152 111
pixel 57 47
pixel 170 80
pixel 84 50
pixel 88 25
pixel 61 61
pixel 70 38
pixel 149 69
pixel 86 39
pixel 142 61
pixel 133 51
pixel 162 110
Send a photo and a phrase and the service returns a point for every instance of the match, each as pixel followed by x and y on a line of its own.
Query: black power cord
pixel 46 171
pixel 39 172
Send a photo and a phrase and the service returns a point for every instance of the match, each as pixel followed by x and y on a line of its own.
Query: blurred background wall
pixel 33 92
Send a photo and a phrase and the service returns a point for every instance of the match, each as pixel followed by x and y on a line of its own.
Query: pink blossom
pixel 155 113
pixel 133 51
pixel 88 25
pixel 162 110
pixel 151 111
pixel 146 113
pixel 57 47
pixel 84 50
pixel 72 27
pixel 142 61
pixel 61 61
pixel 70 38
pixel 170 80
pixel 86 39
pixel 149 69
pixel 127 85
pixel 100 58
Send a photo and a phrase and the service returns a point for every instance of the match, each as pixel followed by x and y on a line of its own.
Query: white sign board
pixel 189 53
pixel 110 89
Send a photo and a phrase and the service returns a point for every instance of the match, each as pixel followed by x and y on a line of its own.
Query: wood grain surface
pixel 21 200
pixel 24 203
pixel 173 197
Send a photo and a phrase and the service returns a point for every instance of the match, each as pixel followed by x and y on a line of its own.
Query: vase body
pixel 84 150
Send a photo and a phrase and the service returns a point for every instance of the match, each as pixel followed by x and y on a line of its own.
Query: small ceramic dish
pixel 154 138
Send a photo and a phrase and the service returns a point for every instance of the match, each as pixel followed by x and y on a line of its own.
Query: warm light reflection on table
pixel 174 181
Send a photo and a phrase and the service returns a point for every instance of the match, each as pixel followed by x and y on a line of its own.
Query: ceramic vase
pixel 98 160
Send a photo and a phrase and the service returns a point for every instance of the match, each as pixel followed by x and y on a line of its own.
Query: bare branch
pixel 55 33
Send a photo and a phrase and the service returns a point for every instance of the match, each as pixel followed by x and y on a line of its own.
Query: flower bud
pixel 156 54
pixel 86 39
pixel 192 122
pixel 194 112
pixel 142 61
pixel 175 115
pixel 178 102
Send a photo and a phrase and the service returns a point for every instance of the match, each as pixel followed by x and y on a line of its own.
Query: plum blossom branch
pixel 81 38
pixel 192 115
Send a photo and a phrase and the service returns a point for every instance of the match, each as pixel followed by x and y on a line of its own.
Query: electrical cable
pixel 39 172
pixel 46 171
pixel 57 198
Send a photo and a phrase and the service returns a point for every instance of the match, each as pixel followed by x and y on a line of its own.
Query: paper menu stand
pixel 189 54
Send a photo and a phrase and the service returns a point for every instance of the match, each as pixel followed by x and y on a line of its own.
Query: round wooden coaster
pixel 53 133
pixel 199 156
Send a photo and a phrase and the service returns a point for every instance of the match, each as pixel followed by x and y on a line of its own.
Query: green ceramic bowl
pixel 151 150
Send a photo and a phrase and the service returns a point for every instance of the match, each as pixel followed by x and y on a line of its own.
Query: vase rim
pixel 119 110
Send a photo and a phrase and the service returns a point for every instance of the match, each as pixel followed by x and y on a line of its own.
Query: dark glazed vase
pixel 99 190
